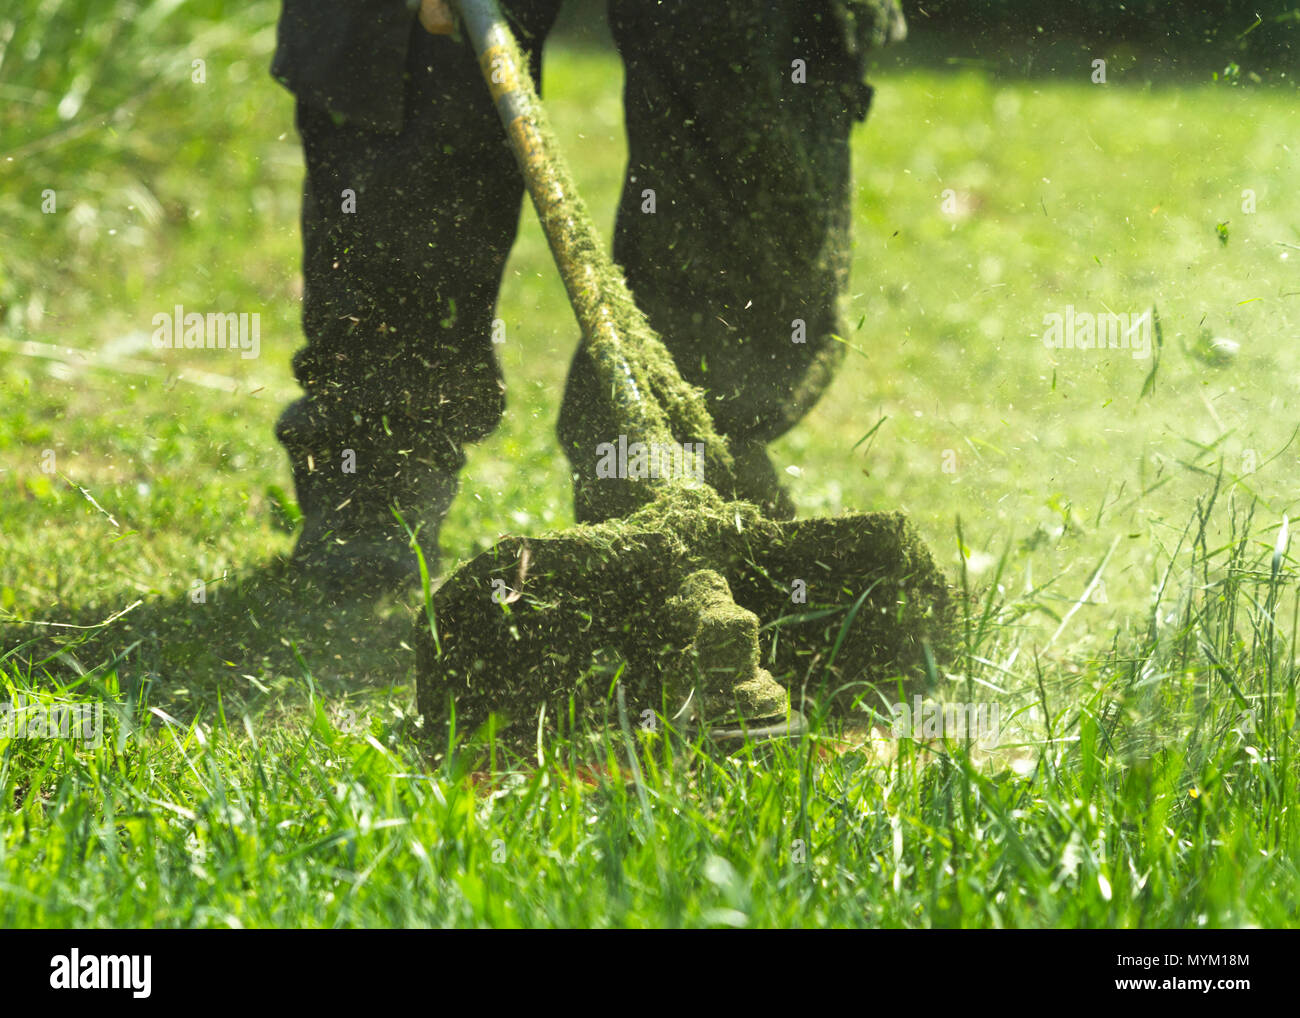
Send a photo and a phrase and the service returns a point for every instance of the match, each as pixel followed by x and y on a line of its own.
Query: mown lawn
pixel 1133 596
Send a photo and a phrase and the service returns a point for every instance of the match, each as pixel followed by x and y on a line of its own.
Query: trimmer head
pixel 846 605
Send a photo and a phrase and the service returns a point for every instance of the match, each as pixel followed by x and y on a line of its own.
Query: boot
pixel 350 538
pixel 758 482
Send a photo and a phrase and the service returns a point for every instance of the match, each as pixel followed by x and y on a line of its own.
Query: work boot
pixel 716 682
pixel 361 544
pixel 758 482
pixel 350 538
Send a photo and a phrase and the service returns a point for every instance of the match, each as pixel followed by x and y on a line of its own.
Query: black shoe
pixel 351 541
pixel 359 563
pixel 349 548
pixel 757 481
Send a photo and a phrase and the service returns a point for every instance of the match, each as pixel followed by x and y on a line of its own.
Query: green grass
pixel 1136 795
pixel 259 769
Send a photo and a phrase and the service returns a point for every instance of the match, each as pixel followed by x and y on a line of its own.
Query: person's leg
pixel 733 228
pixel 405 237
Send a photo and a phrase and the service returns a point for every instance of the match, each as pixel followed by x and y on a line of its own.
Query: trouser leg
pixel 733 226
pixel 405 237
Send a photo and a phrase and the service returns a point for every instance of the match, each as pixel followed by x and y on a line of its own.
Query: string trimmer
pixel 668 592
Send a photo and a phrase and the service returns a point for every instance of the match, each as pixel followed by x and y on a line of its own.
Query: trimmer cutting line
pixel 675 579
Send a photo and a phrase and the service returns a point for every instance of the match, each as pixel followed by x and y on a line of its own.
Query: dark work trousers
pixel 733 231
